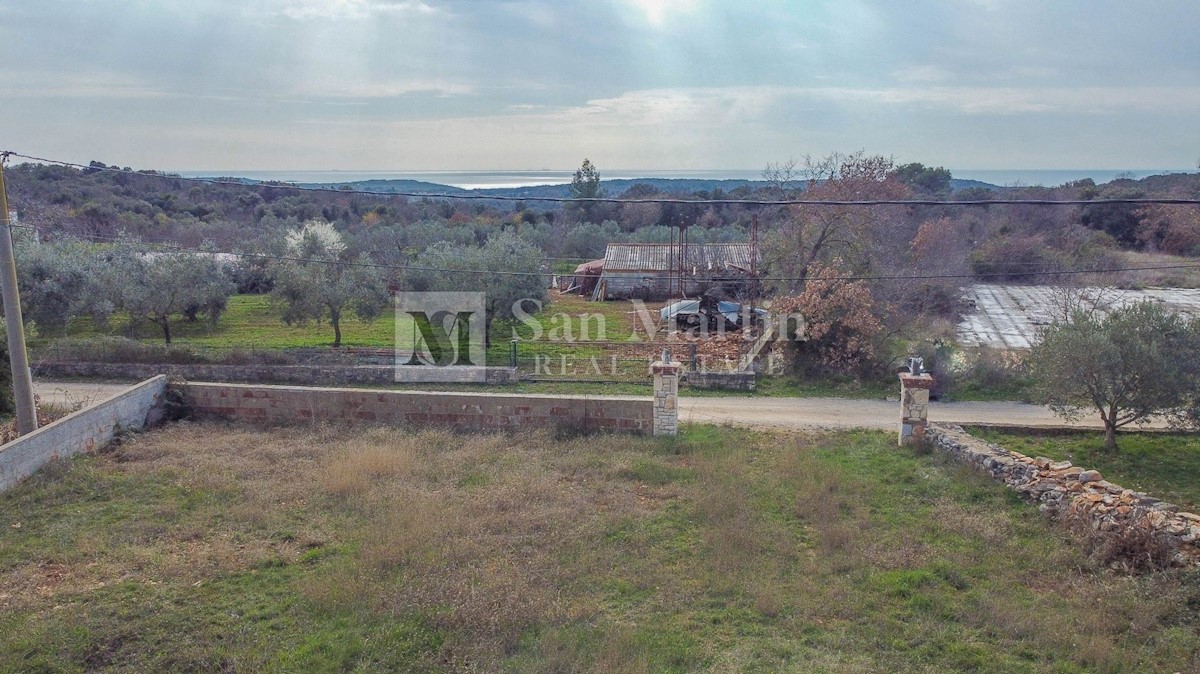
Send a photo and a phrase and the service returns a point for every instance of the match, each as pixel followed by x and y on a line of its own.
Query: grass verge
pixel 1164 465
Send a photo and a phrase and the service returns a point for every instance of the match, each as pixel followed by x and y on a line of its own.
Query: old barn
pixel 658 271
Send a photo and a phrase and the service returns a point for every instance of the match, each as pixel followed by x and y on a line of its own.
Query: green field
pixel 1164 465
pixel 216 547
pixel 249 321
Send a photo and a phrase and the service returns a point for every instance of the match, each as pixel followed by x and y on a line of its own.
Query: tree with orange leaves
pixel 839 325
pixel 808 235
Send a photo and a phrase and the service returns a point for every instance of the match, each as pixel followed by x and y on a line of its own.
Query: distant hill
pixel 613 188
pixel 411 186
pixel 957 184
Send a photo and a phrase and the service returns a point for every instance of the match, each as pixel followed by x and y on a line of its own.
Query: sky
pixel 631 84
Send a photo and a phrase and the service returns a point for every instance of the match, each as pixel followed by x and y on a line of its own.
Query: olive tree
pixel 60 281
pixel 325 283
pixel 1128 364
pixel 506 268
pixel 158 285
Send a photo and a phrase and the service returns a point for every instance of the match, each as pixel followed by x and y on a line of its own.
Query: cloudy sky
pixel 632 84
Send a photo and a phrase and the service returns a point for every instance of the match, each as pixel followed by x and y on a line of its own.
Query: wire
pixel 373 265
pixel 617 200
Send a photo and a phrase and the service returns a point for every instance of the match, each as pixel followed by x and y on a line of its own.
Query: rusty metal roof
pixel 701 258
pixel 594 267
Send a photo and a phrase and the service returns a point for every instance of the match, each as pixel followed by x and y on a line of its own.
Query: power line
pixel 374 265
pixel 617 200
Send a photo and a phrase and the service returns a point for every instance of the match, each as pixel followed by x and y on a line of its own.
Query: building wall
pixel 620 285
pixel 468 411
pixel 83 431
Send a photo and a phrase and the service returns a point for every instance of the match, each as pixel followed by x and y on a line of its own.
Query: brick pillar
pixel 666 397
pixel 914 406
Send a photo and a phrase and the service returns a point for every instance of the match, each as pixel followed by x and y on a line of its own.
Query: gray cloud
pixel 423 84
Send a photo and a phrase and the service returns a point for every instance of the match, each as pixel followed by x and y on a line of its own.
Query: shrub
pixel 839 326
pixel 1135 547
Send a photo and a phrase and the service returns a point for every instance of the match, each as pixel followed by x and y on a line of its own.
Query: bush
pixel 1014 258
pixel 1132 548
pixel 974 371
pixel 840 327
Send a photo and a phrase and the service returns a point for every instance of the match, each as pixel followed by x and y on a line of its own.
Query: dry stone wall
pixel 1062 490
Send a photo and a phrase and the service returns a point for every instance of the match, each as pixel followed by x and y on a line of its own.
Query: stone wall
pixel 308 375
pixel 1062 490
pixel 728 381
pixel 468 411
pixel 82 431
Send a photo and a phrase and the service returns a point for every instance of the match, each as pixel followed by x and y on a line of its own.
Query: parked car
pixel 691 314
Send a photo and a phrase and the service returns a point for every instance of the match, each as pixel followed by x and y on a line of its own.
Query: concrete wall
pixel 469 411
pixel 82 431
pixel 314 375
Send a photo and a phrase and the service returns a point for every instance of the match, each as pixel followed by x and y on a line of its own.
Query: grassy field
pixel 203 547
pixel 1164 465
pixel 252 321
pixel 249 321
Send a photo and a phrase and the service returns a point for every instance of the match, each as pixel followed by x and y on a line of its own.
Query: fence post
pixel 512 355
pixel 692 353
pixel 666 396
pixel 914 406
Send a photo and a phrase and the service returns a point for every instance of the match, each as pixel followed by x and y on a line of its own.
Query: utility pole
pixel 18 359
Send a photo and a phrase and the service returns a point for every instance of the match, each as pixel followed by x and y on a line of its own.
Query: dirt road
pixel 71 394
pixel 850 413
pixel 801 413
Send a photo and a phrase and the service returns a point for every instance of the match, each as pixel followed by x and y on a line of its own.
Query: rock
pixel 1189 516
pixel 1176 528
pixel 1060 465
pixel 1090 476
pixel 1041 462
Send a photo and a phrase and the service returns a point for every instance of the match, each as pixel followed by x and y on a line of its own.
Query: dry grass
pixel 1184 275
pixel 382 549
pixel 353 471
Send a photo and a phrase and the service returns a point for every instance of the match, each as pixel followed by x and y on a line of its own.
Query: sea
pixel 504 179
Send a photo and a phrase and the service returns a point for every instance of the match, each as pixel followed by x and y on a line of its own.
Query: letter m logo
pixel 440 336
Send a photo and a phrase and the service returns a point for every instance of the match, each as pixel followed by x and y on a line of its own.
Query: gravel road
pixel 853 413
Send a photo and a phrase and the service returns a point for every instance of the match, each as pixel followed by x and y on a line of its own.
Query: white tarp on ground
pixel 1008 317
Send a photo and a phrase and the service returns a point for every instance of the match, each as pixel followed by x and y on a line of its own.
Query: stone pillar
pixel 666 397
pixel 914 406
